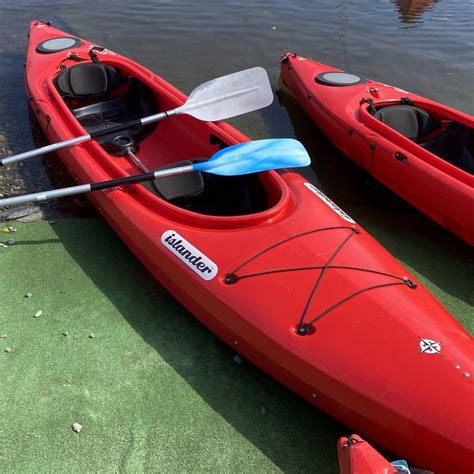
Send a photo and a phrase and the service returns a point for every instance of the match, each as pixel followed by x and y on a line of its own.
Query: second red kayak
pixel 420 149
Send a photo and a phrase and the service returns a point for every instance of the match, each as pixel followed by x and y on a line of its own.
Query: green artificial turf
pixel 154 390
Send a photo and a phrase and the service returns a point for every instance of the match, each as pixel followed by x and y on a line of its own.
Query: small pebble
pixel 238 359
pixel 274 27
pixel 77 427
pixel 38 314
pixel 91 336
pixel 8 349
pixel 28 295
pixel 263 411
pixel 11 242
pixel 66 333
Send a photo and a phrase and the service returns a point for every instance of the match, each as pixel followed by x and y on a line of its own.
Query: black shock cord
pixel 303 328
pixel 232 277
pixel 335 305
pixel 316 267
pixel 301 325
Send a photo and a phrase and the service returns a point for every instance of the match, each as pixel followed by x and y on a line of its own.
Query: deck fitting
pixel 230 279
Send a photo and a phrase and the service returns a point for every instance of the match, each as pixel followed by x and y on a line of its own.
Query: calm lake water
pixel 424 46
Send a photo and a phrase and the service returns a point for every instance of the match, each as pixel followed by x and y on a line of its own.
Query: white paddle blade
pixel 229 96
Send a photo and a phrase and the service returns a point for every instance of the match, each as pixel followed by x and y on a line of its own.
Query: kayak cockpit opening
pixel 450 140
pixel 211 194
pixel 101 96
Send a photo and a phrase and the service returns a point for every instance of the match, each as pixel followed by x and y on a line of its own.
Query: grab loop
pixel 368 100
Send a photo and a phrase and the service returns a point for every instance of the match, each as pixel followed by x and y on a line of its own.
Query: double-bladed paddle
pixel 222 98
pixel 243 158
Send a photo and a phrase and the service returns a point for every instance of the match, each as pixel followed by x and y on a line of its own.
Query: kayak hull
pixel 300 262
pixel 437 188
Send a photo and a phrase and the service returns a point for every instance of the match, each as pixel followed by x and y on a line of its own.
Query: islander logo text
pixel 190 255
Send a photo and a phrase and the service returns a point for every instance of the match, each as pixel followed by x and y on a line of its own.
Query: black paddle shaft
pixel 123 181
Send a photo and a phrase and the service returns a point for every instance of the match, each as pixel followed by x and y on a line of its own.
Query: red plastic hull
pixel 361 362
pixel 437 188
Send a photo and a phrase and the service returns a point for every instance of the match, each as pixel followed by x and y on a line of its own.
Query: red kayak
pixel 420 149
pixel 266 261
pixel 356 456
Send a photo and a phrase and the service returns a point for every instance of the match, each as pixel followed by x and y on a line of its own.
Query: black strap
pixel 406 101
pixel 369 101
pixel 93 56
pixel 71 57
pixel 123 181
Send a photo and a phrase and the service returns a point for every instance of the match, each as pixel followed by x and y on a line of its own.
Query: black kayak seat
pixel 85 81
pixel 88 80
pixel 179 187
pixel 412 122
pixel 210 194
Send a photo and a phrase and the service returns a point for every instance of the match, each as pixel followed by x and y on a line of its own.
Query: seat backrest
pixel 212 194
pixel 410 121
pixel 88 80
pixel 181 186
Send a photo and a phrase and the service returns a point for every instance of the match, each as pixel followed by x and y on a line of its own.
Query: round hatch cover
pixel 55 45
pixel 338 79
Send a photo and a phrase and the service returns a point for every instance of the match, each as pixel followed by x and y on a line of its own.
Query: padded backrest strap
pixel 93 56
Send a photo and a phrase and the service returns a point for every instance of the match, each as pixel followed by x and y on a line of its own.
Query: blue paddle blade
pixel 252 157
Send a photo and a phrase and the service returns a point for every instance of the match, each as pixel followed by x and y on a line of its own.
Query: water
pixel 424 46
pixel 420 45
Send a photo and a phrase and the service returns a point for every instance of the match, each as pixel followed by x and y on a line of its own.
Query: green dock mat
pixel 154 390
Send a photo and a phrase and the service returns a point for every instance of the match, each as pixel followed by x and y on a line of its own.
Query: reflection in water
pixel 412 10
pixel 344 20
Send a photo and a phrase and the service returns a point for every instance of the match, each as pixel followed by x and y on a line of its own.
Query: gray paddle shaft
pixel 235 160
pixel 84 138
pixel 44 149
pixel 85 188
pixel 225 97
